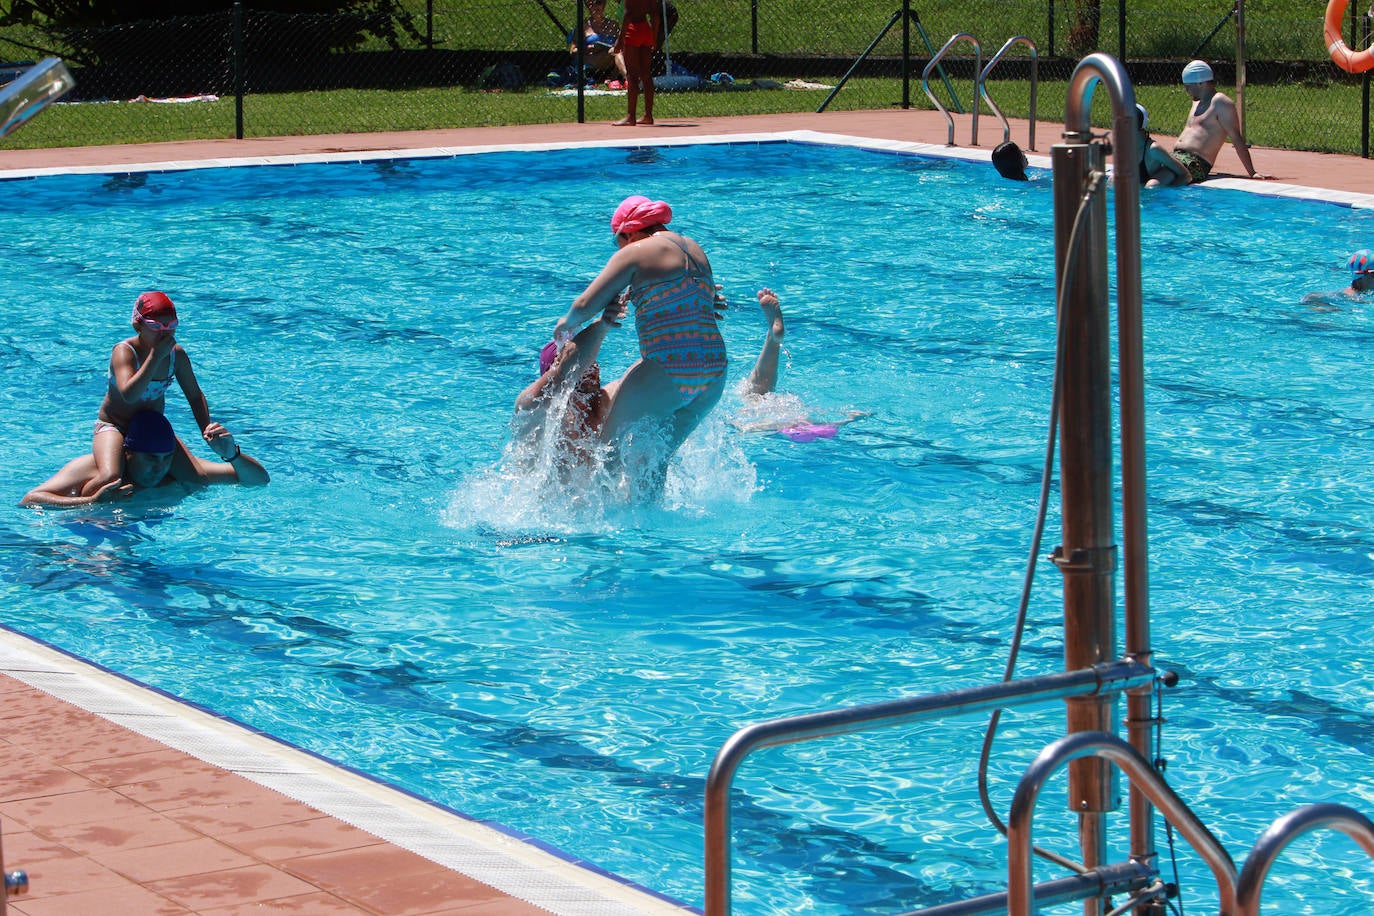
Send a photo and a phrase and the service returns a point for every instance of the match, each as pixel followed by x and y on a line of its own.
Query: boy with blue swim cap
pixel 1361 266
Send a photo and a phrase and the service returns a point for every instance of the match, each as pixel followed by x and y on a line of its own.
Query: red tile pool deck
pixel 108 822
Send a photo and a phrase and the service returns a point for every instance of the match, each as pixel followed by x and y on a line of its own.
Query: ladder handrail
pixel 1287 829
pixel 982 89
pixel 977 68
pixel 1020 896
pixel 1106 678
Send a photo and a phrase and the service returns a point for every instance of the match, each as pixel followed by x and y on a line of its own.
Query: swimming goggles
pixel 153 325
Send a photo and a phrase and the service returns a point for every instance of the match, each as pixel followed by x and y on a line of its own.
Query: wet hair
pixel 1009 161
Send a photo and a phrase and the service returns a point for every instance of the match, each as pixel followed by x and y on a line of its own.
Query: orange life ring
pixel 1348 60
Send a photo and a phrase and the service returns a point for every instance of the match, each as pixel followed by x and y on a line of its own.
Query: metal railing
pixel 1022 899
pixel 982 89
pixel 1109 678
pixel 1284 831
pixel 977 68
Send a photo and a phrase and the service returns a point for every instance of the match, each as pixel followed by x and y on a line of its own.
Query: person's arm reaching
pixel 236 467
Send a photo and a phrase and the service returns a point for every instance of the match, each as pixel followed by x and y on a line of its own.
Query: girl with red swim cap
pixel 142 369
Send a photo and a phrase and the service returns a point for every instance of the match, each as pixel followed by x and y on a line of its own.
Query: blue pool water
pixel 399 600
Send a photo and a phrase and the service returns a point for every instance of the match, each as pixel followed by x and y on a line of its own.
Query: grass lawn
pixel 1285 116
pixel 1313 116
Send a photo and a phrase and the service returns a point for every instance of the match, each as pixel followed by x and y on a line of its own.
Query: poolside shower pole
pixel 1075 161
pixel 1086 556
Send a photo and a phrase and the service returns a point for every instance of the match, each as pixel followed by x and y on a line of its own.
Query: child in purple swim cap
pixel 788 420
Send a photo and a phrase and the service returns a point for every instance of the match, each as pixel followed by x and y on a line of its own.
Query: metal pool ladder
pixel 980 88
pixel 977 68
pixel 1095 673
pixel 1034 85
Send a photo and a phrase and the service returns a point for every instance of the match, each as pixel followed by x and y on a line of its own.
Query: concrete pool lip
pixel 1341 180
pixel 519 867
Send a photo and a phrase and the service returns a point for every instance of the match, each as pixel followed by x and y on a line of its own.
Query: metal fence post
pixel 1051 35
pixel 1121 30
pixel 906 57
pixel 580 34
pixel 1364 99
pixel 237 52
pixel 754 26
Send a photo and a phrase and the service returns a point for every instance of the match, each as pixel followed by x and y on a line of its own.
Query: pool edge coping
pixel 523 867
pixel 1351 199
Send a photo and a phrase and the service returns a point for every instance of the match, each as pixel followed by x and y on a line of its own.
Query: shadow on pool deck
pixel 108 822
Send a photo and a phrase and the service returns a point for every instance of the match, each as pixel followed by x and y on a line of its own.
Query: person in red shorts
pixel 636 43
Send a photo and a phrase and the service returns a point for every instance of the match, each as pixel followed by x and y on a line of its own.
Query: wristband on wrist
pixel 237 452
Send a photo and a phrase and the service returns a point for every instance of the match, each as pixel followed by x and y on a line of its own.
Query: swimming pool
pixel 395 602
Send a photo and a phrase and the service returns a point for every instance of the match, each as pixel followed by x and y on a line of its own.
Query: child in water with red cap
pixel 142 369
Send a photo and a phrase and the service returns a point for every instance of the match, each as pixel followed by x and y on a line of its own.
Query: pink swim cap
pixel 636 213
pixel 546 356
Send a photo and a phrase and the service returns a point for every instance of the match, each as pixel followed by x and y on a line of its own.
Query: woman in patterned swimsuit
pixel 680 374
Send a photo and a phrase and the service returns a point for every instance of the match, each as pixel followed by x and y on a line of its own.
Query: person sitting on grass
pixel 599 33
pixel 148 452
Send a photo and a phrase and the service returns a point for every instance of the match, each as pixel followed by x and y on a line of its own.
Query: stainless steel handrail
pixel 1020 894
pixel 1287 829
pixel 35 89
pixel 982 88
pixel 1119 878
pixel 1109 678
pixel 977 68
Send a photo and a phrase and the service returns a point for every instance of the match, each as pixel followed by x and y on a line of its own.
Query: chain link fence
pixel 431 63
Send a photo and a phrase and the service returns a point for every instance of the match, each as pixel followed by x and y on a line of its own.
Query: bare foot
pixel 651 120
pixel 624 122
pixel 772 311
